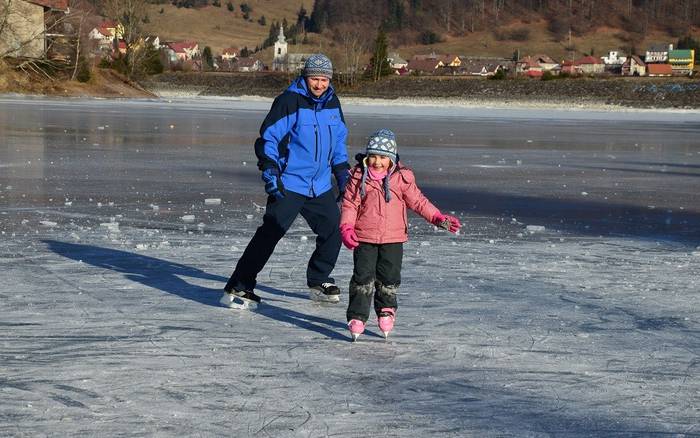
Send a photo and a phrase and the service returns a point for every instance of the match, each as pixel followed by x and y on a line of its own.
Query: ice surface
pixel 588 327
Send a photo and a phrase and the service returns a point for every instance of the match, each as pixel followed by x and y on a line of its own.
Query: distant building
pixel 658 53
pixel 481 66
pixel 589 65
pixel 184 50
pixel 613 61
pixel 230 53
pixel 634 66
pixel 445 60
pixel 396 62
pixel 682 61
pixel 429 66
pixel 24 26
pixel 249 65
pixel 282 60
pixel 656 70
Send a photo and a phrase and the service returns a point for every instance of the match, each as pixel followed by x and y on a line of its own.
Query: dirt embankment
pixel 103 83
pixel 630 92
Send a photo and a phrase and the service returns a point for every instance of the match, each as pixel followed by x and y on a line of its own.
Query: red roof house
pixel 659 70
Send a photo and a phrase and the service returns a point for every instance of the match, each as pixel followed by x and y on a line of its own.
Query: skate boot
pixel 356 327
pixel 326 293
pixel 240 299
pixel 385 319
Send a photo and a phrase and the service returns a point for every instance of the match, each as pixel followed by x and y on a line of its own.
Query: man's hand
pixel 273 183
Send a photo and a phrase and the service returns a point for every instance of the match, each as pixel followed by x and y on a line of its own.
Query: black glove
pixel 342 176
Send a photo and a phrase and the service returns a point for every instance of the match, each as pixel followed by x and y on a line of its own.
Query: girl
pixel 374 224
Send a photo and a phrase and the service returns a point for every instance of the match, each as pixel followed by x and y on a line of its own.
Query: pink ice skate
pixel 356 327
pixel 386 318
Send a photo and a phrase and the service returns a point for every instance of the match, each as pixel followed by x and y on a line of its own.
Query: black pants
pixel 322 215
pixel 377 270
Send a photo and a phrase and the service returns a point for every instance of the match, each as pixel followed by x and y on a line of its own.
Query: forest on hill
pixel 426 21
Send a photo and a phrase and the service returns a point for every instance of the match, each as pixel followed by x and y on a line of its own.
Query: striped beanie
pixel 318 64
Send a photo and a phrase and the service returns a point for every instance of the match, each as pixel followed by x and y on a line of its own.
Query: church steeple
pixel 281 38
pixel 279 60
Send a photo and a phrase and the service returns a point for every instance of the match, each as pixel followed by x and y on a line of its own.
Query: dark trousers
pixel 322 215
pixel 377 271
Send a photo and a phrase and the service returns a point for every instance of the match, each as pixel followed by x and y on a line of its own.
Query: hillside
pixel 218 27
pixel 597 30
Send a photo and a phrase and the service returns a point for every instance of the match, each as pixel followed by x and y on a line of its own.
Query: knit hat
pixel 318 64
pixel 382 142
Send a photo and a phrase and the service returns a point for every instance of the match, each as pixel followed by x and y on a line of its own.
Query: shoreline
pixel 436 102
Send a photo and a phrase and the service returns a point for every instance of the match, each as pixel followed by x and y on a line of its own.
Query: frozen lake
pixel 567 306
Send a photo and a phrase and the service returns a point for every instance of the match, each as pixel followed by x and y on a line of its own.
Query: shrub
pixel 499 75
pixel 83 74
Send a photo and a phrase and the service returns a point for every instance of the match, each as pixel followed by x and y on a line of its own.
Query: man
pixel 301 143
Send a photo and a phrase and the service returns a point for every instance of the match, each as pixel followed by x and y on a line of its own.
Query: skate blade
pixel 234 302
pixel 320 297
pixel 386 335
pixel 354 336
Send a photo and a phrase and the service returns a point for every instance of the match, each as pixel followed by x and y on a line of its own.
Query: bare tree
pixel 130 15
pixel 354 44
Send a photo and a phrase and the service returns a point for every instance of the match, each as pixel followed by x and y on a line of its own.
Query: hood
pixel 299 86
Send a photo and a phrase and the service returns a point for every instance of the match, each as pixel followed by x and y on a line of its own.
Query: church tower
pixel 279 60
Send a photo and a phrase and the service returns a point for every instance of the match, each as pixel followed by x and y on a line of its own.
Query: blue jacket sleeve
pixel 340 152
pixel 274 130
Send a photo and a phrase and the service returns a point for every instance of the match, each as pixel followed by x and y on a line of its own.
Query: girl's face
pixel 378 163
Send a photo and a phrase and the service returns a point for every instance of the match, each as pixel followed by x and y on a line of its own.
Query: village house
pixel 658 53
pixel 613 61
pixel 529 66
pixel 682 62
pixel 396 62
pixel 29 26
pixel 446 60
pixel 184 50
pixel 659 70
pixel 589 65
pixel 485 67
pixel 229 54
pixel 424 66
pixel 249 65
pixel 634 66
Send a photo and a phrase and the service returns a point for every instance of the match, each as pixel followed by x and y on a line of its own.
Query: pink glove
pixel 349 237
pixel 449 223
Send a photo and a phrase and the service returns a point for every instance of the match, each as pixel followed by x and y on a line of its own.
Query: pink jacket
pixel 378 221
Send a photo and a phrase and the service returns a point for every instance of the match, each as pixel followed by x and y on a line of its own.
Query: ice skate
pixel 356 327
pixel 325 293
pixel 385 319
pixel 240 299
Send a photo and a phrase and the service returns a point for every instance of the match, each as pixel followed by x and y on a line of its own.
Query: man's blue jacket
pixel 304 138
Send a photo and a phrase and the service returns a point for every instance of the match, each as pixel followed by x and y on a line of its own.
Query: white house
pixel 614 58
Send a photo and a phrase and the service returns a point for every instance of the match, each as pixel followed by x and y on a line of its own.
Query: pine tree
pixel 378 64
pixel 207 58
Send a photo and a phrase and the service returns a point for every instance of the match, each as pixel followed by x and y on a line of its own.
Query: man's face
pixel 317 84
